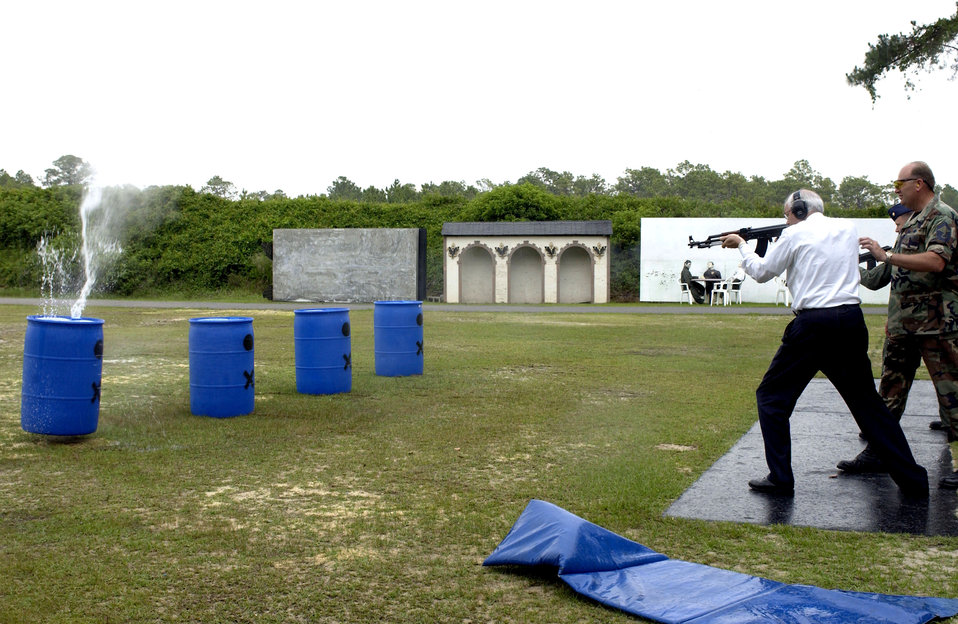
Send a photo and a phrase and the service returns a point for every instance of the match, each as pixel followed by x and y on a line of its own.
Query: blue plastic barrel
pixel 221 366
pixel 62 367
pixel 323 354
pixel 397 337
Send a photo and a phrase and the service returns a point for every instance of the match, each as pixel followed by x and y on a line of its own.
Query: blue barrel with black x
pixel 323 353
pixel 62 366
pixel 398 338
pixel 221 366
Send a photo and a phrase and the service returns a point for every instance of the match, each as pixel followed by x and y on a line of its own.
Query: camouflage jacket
pixel 922 303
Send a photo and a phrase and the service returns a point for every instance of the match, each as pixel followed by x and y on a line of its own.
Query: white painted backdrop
pixel 665 247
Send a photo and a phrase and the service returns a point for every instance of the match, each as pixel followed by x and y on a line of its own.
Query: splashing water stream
pixel 97 247
pixel 55 263
pixel 91 201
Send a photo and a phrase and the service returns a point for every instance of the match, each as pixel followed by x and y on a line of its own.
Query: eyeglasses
pixel 900 183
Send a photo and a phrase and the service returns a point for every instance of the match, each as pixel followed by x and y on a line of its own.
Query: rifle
pixel 763 235
pixel 869 258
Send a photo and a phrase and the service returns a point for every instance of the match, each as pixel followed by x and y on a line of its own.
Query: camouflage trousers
pixel 901 357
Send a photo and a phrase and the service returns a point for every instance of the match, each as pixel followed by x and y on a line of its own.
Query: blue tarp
pixel 626 575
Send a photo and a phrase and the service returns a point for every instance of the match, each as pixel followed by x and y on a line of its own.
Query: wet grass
pixel 380 505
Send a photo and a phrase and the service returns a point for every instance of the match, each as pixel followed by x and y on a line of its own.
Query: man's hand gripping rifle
pixel 869 259
pixel 762 236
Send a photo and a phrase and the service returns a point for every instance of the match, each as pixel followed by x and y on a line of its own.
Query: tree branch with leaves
pixel 928 47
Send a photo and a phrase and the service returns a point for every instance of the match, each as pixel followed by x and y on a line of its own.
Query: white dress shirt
pixel 820 255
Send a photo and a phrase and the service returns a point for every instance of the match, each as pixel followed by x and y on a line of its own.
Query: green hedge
pixel 175 239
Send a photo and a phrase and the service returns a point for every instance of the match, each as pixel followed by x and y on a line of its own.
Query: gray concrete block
pixel 357 265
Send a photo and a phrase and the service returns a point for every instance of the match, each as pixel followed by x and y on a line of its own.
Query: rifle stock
pixel 762 236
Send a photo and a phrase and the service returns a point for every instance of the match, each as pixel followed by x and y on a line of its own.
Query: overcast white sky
pixel 291 94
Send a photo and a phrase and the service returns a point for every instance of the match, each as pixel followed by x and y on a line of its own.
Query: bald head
pixel 915 185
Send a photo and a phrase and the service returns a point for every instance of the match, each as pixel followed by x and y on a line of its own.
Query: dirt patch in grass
pixel 943 561
pixel 521 373
pixel 152 370
pixel 668 351
pixel 533 319
pixel 614 395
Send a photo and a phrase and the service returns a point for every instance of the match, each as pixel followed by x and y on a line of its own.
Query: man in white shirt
pixel 828 334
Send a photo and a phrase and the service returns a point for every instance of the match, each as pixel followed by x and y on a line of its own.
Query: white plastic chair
pixel 782 291
pixel 735 291
pixel 685 294
pixel 720 291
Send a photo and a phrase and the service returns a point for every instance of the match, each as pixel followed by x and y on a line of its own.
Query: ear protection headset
pixel 799 207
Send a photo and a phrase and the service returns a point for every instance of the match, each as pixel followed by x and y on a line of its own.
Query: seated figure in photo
pixel 711 273
pixel 697 290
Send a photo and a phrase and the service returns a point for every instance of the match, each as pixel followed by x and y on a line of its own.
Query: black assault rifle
pixel 763 235
pixel 869 258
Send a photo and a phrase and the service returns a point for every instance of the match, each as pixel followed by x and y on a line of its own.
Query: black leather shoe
pixel 949 482
pixel 769 487
pixel 937 425
pixel 864 462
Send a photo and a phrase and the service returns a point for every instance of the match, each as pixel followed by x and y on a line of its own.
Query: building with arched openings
pixel 526 262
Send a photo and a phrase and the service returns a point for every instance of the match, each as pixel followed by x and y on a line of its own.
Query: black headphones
pixel 799 207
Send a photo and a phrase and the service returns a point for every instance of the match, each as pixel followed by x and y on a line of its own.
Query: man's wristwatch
pixel 888 255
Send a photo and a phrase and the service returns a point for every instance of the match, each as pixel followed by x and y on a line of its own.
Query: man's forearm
pixel 876 277
pixel 926 261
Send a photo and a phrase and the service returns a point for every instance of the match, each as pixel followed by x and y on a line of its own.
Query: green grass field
pixel 380 505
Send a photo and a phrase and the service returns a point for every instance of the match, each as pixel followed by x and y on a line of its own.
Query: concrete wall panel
pixel 358 265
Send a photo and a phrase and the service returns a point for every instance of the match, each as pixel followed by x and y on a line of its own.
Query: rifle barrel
pixel 764 235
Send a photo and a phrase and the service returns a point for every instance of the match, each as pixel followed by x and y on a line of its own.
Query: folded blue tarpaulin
pixel 626 575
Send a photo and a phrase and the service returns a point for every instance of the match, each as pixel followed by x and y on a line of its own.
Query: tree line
pixel 697 182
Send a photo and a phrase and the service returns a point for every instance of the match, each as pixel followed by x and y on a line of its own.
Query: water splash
pixel 98 245
pixel 97 248
pixel 57 268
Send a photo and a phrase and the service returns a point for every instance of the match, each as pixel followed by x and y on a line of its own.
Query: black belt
pixel 808 310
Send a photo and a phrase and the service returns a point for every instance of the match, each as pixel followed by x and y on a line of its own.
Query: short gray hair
pixel 812 200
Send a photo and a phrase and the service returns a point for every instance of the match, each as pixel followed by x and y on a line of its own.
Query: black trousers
pixel 835 342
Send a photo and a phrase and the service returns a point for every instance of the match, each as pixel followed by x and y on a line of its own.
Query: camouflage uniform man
pixel 922 306
pixel 875 278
